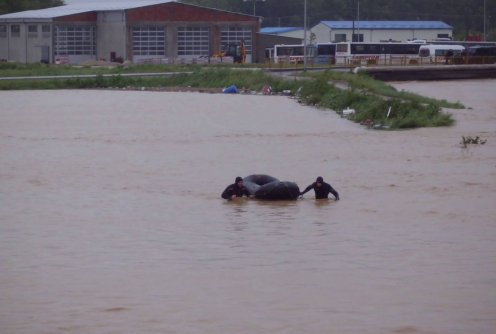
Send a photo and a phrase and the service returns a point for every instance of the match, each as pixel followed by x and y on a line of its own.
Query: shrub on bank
pixel 400 112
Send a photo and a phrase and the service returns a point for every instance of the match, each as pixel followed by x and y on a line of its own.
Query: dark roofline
pixel 89 10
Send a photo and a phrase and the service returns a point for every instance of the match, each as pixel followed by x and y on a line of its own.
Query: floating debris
pixel 230 90
pixel 348 111
pixel 472 141
pixel 266 90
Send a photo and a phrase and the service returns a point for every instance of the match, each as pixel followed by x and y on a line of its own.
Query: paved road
pixel 81 76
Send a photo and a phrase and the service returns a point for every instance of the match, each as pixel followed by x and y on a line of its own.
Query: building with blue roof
pixel 279 30
pixel 377 31
pixel 292 32
pixel 367 31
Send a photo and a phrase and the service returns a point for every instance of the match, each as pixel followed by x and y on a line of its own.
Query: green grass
pixel 8 69
pixel 368 84
pixel 370 98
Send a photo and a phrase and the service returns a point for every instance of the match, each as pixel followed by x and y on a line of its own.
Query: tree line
pixel 12 6
pixel 466 16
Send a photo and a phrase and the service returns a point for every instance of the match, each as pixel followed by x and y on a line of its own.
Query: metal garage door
pixel 193 42
pixel 234 35
pixel 149 42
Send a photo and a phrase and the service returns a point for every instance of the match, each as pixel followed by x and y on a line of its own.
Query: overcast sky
pixel 70 2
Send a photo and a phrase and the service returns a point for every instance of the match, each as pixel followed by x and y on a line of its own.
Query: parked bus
pixel 480 55
pixel 466 44
pixel 269 54
pixel 325 53
pixel 376 53
pixel 292 54
pixel 439 53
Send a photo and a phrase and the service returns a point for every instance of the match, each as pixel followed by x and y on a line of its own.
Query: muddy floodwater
pixel 111 220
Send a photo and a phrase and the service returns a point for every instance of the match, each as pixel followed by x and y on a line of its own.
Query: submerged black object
pixel 268 187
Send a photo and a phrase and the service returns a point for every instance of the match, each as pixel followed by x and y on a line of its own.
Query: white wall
pixel 26 47
pixel 111 35
pixel 400 35
pixel 16 44
pixel 325 34
pixel 4 43
pixel 35 43
pixel 322 33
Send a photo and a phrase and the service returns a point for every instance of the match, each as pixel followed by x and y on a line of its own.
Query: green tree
pixel 466 16
pixel 12 6
pixel 218 4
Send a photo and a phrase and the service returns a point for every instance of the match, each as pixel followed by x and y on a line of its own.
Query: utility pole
pixel 305 36
pixel 353 17
pixel 254 5
pixel 358 20
pixel 485 20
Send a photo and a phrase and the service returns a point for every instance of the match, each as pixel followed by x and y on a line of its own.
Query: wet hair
pixel 238 179
pixel 320 179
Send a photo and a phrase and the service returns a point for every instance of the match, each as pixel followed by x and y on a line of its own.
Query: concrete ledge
pixel 441 72
pixel 86 76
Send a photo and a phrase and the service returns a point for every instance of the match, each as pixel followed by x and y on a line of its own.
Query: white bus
pixel 376 53
pixel 325 53
pixel 292 54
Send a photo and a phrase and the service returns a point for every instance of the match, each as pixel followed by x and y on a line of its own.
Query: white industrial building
pixel 367 31
pixel 380 31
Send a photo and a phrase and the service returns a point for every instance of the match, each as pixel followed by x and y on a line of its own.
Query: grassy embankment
pixel 370 98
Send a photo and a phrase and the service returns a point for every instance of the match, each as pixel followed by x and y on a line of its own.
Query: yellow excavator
pixel 235 50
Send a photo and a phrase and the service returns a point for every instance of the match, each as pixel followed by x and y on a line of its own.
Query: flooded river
pixel 111 220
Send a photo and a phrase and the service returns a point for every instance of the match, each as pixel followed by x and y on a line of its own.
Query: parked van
pixel 440 50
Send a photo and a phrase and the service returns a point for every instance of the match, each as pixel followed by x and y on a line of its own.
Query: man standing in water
pixel 237 189
pixel 321 189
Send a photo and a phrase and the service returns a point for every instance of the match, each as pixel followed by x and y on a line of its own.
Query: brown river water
pixel 111 220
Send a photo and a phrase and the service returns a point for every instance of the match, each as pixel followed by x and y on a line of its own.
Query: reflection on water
pixel 111 220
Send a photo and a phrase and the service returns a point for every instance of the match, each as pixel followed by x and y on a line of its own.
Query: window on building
pixel 193 41
pixel 149 40
pixel 443 36
pixel 74 40
pixel 3 30
pixel 340 38
pixel 15 30
pixel 357 38
pixel 46 30
pixel 32 31
pixel 234 35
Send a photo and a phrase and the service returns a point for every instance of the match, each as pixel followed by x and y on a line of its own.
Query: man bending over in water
pixel 321 189
pixel 237 189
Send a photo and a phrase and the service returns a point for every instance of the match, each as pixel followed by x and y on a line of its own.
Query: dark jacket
pixel 322 191
pixel 233 189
